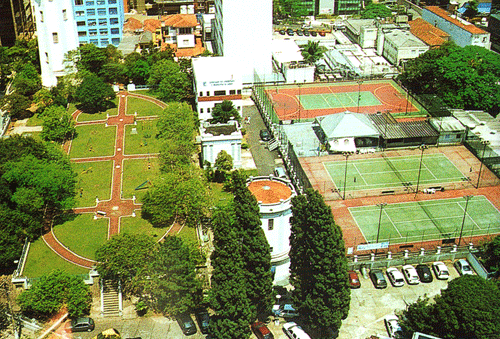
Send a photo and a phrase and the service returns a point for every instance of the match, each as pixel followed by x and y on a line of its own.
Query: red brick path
pixel 116 207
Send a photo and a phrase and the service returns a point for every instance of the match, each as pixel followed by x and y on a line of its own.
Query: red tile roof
pixel 131 25
pixel 269 192
pixel 180 20
pixel 185 52
pixel 426 32
pixel 152 25
pixel 447 16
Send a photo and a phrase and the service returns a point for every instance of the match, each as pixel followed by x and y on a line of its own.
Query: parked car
pixel 282 32
pixel 354 280
pixel 203 319
pixel 463 267
pixel 261 331
pixel 290 32
pixel 299 32
pixel 424 273
pixel 285 311
pixel 81 325
pixel 392 325
pixel 440 270
pixel 395 276
pixel 411 275
pixel 306 32
pixel 265 135
pixel 294 331
pixel 186 324
pixel 378 278
pixel 314 33
pixel 279 172
pixel 321 33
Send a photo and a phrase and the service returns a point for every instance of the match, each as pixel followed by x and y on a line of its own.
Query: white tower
pixel 244 31
pixel 57 35
pixel 274 196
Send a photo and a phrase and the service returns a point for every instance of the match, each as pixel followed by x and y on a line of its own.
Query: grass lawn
pixel 35 120
pixel 35 135
pixel 188 234
pixel 95 180
pixel 136 172
pixel 137 225
pixel 100 115
pixel 42 260
pixel 82 234
pixel 93 141
pixel 71 108
pixel 219 195
pixel 144 142
pixel 143 108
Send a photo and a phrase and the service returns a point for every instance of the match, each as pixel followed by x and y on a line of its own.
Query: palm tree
pixel 312 52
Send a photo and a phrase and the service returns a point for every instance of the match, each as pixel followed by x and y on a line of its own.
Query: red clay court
pixel 311 100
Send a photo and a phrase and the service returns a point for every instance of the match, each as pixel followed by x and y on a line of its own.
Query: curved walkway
pixel 116 207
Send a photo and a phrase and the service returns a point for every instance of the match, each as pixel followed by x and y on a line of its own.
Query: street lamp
pixel 360 81
pixel 467 198
pixel 485 143
pixel 346 155
pixel 382 205
pixel 422 147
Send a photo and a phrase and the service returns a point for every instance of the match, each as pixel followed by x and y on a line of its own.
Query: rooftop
pixel 180 20
pixel 222 129
pixel 404 39
pixel 426 32
pixel 213 69
pixel 269 191
pixel 452 19
pixel 405 129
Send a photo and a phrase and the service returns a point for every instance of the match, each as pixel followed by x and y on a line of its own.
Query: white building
pixel 462 32
pixel 289 59
pixel 216 79
pixel 57 35
pixel 243 31
pixel 363 31
pixel 221 137
pixel 400 46
pixel 179 29
pixel 274 196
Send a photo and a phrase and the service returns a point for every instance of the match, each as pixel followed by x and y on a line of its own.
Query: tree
pixel 374 11
pixel 58 125
pixel 94 95
pixel 223 164
pixel 125 257
pixel 113 72
pixel 28 81
pixel 312 52
pixel 224 112
pixel 318 266
pixel 471 10
pixel 43 98
pixel 174 286
pixel 4 318
pixel 168 81
pixel 491 254
pixel 468 308
pixel 91 58
pixel 17 106
pixel 53 292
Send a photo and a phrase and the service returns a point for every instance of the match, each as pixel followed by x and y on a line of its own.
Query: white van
pixel 294 331
pixel 280 172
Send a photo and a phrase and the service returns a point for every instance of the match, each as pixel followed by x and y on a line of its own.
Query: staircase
pixel 110 299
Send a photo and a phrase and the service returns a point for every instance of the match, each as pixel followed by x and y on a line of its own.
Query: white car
pixel 396 277
pixel 463 267
pixel 411 275
pixel 294 331
pixel 392 326
pixel 440 270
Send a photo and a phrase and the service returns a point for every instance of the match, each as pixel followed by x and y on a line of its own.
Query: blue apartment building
pixel 99 22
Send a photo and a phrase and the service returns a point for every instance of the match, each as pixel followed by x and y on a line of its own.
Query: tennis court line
pixel 360 175
pixel 468 215
pixel 326 101
pixel 427 168
pixel 393 225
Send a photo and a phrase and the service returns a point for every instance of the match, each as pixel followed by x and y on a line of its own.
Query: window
pixel 103 31
pixel 104 42
pixel 65 15
pixel 113 10
pixel 115 41
pixel 79 13
pixel 208 93
pixel 82 33
pixel 185 42
pixel 111 2
pixel 201 110
pixel 115 31
pixel 232 91
pixel 91 22
pixel 103 22
pixel 271 249
pixel 46 57
pixel 94 41
pixel 55 38
pixel 219 92
pixel 208 110
pixel 101 11
pixel 80 23
pixel 41 16
pixel 92 32
pixel 101 2
pixel 201 94
pixel 78 2
pixel 113 21
pixel 185 30
pixel 270 224
pixel 89 3
pixel 239 91
pixel 90 12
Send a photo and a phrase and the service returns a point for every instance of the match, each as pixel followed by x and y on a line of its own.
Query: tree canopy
pixel 54 291
pixel 491 254
pixel 312 52
pixel 223 112
pixel 374 11
pixel 94 94
pixel 318 266
pixel 464 78
pixel 468 308
pixel 58 125
pixel 169 82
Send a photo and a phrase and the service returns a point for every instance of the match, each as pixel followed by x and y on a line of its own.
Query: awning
pixel 343 145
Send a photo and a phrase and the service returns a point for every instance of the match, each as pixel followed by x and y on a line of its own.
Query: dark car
pixel 290 32
pixel 354 280
pixel 203 319
pixel 261 331
pixel 424 273
pixel 186 324
pixel 306 32
pixel 299 32
pixel 82 325
pixel 265 135
pixel 314 33
pixel 378 279
pixel 282 32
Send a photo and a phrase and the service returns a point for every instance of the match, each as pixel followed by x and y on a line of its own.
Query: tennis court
pixel 427 220
pixel 335 100
pixel 393 172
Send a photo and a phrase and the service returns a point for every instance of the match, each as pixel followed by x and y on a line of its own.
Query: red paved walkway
pixel 116 207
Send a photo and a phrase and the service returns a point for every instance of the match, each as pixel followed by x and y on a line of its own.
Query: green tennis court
pixel 335 100
pixel 427 220
pixel 392 172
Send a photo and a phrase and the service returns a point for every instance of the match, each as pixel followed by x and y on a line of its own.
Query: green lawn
pixel 137 225
pixel 143 107
pixel 188 234
pixel 95 180
pixel 35 135
pixel 93 141
pixel 82 234
pixel 42 260
pixel 144 142
pixel 100 115
pixel 135 173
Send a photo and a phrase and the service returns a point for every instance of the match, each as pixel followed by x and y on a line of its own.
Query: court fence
pixel 488 157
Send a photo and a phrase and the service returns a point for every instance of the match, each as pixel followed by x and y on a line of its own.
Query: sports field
pixel 427 220
pixel 392 172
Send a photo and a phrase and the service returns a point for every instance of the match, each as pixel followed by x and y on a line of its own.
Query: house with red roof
pixel 431 35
